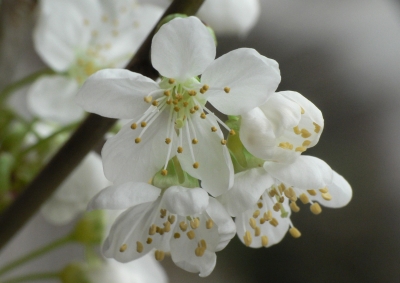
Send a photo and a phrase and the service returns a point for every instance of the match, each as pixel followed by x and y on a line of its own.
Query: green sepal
pixel 90 228
pixel 175 177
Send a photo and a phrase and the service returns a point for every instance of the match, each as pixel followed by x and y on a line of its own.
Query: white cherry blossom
pixel 262 198
pixel 185 222
pixel 76 38
pixel 282 128
pixel 171 117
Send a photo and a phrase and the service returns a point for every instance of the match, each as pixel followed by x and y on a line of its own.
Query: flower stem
pixel 22 82
pixel 36 253
pixel 32 277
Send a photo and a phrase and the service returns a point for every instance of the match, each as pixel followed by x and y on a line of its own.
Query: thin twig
pixel 90 132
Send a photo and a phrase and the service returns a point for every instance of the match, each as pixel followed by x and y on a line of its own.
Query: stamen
pixel 199 251
pixel 143 124
pixel 171 219
pixel 167 93
pixel 227 89
pixel 139 247
pixel 326 196
pixel 196 165
pixel 177 235
pixel 191 234
pixel 149 241
pixel 159 255
pixel 256 213
pixel 206 87
pixel 294 207
pixel 264 241
pixel 223 142
pixel 123 248
pixel 209 223
pixel 312 192
pixel 180 149
pixel 167 226
pixel 274 222
pixel 304 198
pixel 138 140
pixel 324 190
pixel 152 229
pixel 317 128
pixel 257 231
pixel 155 103
pixel 301 149
pixel 203 115
pixel 171 81
pixel 194 141
pixel 302 110
pixel 195 223
pixel 297 130
pixel 315 208
pixel 305 134
pixel 133 126
pixel 183 226
pixel 232 132
pixel 213 129
pixel 306 143
pixel 252 223
pixel 260 205
pixel 294 232
pixel 164 172
pixel 148 99
pixel 247 238
pixel 268 215
pixel 167 140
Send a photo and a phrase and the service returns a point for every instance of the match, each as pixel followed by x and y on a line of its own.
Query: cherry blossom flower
pixel 282 128
pixel 185 222
pixel 171 117
pixel 77 38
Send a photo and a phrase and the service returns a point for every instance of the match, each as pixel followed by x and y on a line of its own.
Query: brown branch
pixel 90 132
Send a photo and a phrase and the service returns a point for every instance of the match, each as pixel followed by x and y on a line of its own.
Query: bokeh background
pixel 344 56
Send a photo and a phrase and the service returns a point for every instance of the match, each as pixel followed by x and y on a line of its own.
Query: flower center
pixel 86 64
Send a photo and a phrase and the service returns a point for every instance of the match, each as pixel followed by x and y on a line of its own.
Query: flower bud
pixel 90 228
pixel 74 273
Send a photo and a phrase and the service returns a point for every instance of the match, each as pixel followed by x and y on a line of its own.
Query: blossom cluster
pixel 181 173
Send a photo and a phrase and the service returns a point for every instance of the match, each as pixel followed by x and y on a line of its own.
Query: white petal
pixel 251 80
pixel 249 185
pixel 230 17
pixel 52 98
pixel 60 31
pixel 182 49
pixel 124 160
pixel 306 172
pixel 116 93
pixel 283 113
pixel 257 134
pixel 215 166
pixel 225 224
pixel 339 189
pixel 184 201
pixel 124 196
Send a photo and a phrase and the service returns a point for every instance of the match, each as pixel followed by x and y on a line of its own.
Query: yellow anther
pixel 260 205
pixel 223 142
pixel 133 126
pixel 277 206
pixel 161 231
pixel 183 226
pixel 281 199
pixel 294 232
pixel 281 187
pixel 306 143
pixel 138 140
pixel 143 124
pixel 158 229
pixel 286 145
pixel 304 198
pixel 262 220
pixel 148 99
pixel 213 129
pixel 305 134
pixel 159 255
pixel 300 149
pixel 169 101
pixel 179 96
pixel 264 241
pixel 199 251
pixel 177 235
pixel 185 104
pixel 268 215
pixel 202 91
pixel 167 140
pixel 205 87
pixel 203 243
pixel 294 207
pixel 252 223
pixel 316 208
pixel 290 194
pixel 209 223
pixel 152 229
pixel 195 223
pixel 326 196
pixel 155 103
pixel 171 219
pixel 167 226
pixel 194 141
pixel 227 89
pixel 302 110
pixel 149 240
pixel 297 130
pixel 232 132
pixel 164 172
pixel 196 107
pixel 180 149
pixel 139 247
pixel 274 222
pixel 171 81
pixel 312 192
pixel 257 231
pixel 203 115
pixel 192 92
pixel 176 108
pixel 196 165
pixel 317 128
pixel 123 248
pixel 272 193
pixel 167 93
pixel 256 213
pixel 191 234
pixel 192 111
pixel 247 238
pixel 163 212
pixel 324 190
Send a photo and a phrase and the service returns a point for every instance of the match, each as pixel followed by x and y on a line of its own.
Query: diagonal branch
pixel 89 133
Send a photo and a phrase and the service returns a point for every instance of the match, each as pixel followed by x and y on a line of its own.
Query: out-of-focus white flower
pixel 172 114
pixel 228 17
pixel 185 222
pixel 77 38
pixel 282 128
pixel 73 195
